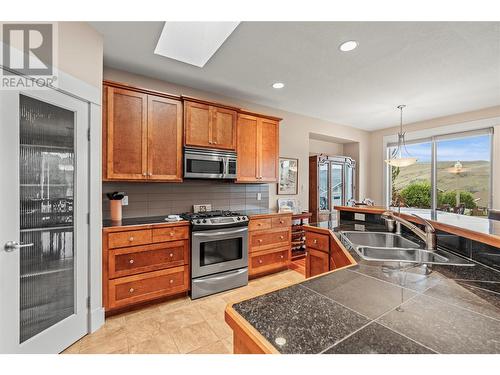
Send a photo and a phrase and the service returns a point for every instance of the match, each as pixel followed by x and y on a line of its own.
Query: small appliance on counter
pixel 219 251
pixel 115 204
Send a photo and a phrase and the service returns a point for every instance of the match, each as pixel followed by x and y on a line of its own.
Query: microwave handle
pixel 224 167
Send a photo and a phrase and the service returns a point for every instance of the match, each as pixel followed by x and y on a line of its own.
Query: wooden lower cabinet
pixel 324 252
pixel 269 243
pixel 144 263
pixel 317 262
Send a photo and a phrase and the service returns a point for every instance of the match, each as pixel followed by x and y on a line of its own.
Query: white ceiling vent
pixel 193 42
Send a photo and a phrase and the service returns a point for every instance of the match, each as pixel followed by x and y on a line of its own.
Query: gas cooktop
pixel 215 219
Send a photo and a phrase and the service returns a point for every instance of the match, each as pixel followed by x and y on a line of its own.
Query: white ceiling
pixel 435 68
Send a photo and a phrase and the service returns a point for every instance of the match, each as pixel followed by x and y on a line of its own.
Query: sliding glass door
pixel 461 164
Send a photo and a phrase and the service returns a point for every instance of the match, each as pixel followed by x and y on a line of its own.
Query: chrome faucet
pixel 428 236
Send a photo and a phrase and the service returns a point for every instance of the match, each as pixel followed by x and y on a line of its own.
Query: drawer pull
pixel 281 256
pixel 171 255
pixel 131 290
pixel 315 241
pixel 172 234
pixel 131 238
pixel 260 241
pixel 171 281
pixel 281 237
pixel 281 221
pixel 131 261
pixel 259 224
pixel 260 261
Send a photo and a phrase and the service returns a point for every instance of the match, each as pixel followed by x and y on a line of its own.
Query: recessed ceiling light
pixel 348 46
pixel 278 85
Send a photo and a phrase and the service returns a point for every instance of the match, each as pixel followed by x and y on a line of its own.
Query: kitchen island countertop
pixel 372 307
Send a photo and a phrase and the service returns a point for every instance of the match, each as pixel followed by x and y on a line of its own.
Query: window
pixel 462 166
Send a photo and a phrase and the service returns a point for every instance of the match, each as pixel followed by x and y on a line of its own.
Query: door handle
pixel 14 245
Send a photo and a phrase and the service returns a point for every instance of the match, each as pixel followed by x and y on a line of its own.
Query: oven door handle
pixel 222 233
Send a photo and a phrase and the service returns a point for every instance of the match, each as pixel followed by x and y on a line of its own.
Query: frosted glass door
pixel 50 244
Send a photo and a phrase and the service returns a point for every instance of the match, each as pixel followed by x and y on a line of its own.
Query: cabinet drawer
pixel 259 224
pixel 132 260
pixel 133 289
pixel 170 234
pixel 282 222
pixel 269 239
pixel 268 260
pixel 318 241
pixel 129 238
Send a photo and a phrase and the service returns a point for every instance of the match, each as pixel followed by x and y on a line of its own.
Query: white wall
pixel 453 123
pixel 294 130
pixel 317 147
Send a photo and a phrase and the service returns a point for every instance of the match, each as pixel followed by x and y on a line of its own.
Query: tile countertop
pixel 374 308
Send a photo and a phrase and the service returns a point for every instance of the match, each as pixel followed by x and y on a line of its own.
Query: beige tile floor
pixel 178 326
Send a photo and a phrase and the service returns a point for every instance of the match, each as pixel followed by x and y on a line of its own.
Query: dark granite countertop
pixel 161 219
pixel 377 308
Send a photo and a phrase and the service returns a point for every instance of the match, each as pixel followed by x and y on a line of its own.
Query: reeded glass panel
pixel 323 187
pixel 46 203
pixel 337 184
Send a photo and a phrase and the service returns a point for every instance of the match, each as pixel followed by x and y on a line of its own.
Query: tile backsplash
pixel 155 199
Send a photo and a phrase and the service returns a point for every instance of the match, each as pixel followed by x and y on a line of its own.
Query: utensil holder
pixel 116 210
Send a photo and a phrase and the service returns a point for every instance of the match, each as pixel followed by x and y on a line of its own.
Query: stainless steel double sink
pixel 391 247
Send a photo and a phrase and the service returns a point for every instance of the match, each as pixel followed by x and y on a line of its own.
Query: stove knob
pixel 198 221
pixel 204 221
pixel 244 218
pixel 238 218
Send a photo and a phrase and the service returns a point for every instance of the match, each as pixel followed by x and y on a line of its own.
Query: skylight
pixel 193 42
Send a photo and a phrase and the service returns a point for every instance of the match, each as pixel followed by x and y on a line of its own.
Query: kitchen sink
pixel 379 240
pixel 391 247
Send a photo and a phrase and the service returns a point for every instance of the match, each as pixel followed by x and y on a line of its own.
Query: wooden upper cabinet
pixel 224 128
pixel 247 167
pixel 209 126
pixel 142 136
pixel 164 139
pixel 126 138
pixel 197 124
pixel 258 149
pixel 269 145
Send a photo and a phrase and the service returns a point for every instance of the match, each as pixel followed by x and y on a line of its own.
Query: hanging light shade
pixel 400 157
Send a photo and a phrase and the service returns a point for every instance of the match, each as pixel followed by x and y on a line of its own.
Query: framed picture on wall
pixel 289 205
pixel 288 176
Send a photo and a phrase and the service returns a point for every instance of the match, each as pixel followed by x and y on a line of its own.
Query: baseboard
pixel 96 319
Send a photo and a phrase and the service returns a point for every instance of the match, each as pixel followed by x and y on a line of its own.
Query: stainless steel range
pixel 219 251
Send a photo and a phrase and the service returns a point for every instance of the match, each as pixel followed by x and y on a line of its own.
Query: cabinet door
pixel 268 146
pixel 247 169
pixel 164 139
pixel 126 134
pixel 316 262
pixel 197 125
pixel 223 128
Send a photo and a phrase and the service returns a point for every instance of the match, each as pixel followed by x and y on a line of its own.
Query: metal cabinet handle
pixel 131 290
pixel 171 281
pixel 281 256
pixel 210 142
pixel 259 224
pixel 14 245
pixel 171 255
pixel 281 221
pixel 131 261
pixel 144 174
pixel 315 241
pixel 260 261
pixel 172 234
pixel 131 239
pixel 281 237
pixel 150 174
pixel 260 241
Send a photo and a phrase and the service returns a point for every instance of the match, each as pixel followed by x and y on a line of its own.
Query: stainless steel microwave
pixel 204 163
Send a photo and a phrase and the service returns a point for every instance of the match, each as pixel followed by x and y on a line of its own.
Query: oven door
pixel 219 250
pixel 204 166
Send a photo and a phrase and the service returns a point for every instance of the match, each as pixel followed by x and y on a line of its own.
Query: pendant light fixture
pixel 400 157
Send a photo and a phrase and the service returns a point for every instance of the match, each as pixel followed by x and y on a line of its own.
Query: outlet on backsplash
pixel 259 196
pixel 125 200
